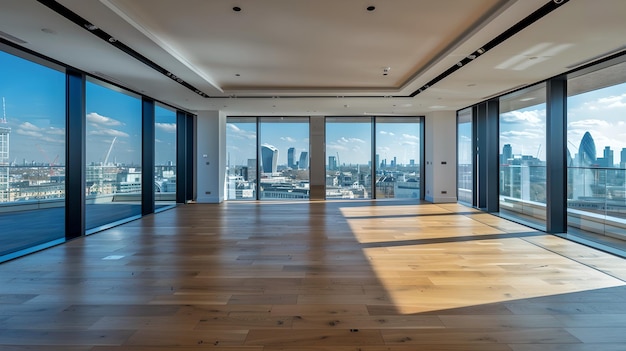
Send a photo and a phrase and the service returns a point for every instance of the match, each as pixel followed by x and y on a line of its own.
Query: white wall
pixel 210 156
pixel 440 156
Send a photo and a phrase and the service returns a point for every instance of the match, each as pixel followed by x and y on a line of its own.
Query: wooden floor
pixel 368 276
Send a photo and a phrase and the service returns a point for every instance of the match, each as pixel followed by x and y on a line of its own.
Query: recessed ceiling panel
pixel 308 44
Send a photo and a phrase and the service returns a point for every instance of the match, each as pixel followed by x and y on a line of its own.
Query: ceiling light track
pixel 88 26
pixel 514 29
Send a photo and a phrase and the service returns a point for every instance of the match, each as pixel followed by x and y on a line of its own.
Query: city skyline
pixel 601 112
pixel 35 111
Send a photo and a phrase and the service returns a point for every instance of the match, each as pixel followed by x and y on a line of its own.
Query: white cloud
pixel 55 131
pixel 345 140
pixel 109 132
pixel 585 123
pixel 411 137
pixel 337 147
pixel 29 126
pixel 53 140
pixel 31 133
pixel 288 139
pixel 386 133
pixel 238 133
pixel 522 134
pixel 616 101
pixel 410 143
pixel 166 127
pixel 533 117
pixel 98 119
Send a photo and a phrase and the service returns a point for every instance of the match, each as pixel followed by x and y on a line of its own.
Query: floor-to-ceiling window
pixel 398 157
pixel 113 155
pixel 284 158
pixel 348 157
pixel 241 158
pixel 465 156
pixel 165 155
pixel 522 155
pixel 32 153
pixel 596 142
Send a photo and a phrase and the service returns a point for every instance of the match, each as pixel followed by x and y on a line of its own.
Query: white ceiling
pixel 320 57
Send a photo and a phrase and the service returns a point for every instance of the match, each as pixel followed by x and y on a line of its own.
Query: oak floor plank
pixel 334 275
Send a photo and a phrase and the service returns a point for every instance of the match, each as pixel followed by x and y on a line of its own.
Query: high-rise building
pixel 507 154
pixel 622 158
pixel 251 170
pixel 587 151
pixel 332 163
pixel 608 157
pixel 291 157
pixel 303 162
pixel 269 158
pixel 4 156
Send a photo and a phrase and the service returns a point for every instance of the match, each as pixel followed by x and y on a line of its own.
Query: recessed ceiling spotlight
pixel 237 9
pixel 90 26
pixel 48 31
pixel 371 8
pixel 237 75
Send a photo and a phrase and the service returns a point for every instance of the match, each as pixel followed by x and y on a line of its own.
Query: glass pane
pixel 284 161
pixel 522 157
pixel 241 151
pixel 398 157
pixel 113 155
pixel 165 156
pixel 349 157
pixel 596 120
pixel 32 154
pixel 465 157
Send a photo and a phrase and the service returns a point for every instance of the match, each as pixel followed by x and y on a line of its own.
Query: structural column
pixel 556 155
pixel 147 156
pixel 488 160
pixel 75 155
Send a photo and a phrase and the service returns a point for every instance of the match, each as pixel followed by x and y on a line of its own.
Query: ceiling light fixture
pixel 237 9
pixel 371 8
pixel 90 26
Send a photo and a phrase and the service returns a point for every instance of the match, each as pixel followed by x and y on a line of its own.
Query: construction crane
pixel 50 163
pixel 106 159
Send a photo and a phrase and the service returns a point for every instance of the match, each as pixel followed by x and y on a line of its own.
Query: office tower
pixel 332 163
pixel 586 151
pixel 269 158
pixel 608 157
pixel 251 170
pixel 622 158
pixel 4 156
pixel 303 163
pixel 291 158
pixel 507 154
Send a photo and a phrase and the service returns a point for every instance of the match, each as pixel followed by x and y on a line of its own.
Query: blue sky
pixel 35 112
